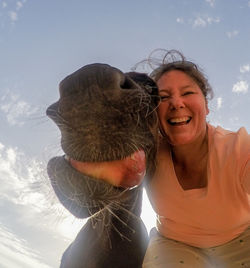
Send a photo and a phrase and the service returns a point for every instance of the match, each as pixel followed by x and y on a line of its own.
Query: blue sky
pixel 43 41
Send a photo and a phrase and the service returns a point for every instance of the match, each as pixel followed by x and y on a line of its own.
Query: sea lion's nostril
pixel 128 84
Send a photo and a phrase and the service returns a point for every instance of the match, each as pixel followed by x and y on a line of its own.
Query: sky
pixel 41 42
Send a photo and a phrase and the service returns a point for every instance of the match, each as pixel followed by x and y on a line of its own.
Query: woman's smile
pixel 179 121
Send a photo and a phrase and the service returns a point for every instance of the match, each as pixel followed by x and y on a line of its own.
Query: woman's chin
pixel 179 141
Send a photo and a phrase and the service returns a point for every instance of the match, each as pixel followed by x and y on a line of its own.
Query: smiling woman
pixel 200 189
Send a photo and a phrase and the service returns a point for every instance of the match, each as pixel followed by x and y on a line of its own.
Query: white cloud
pixel 19 5
pixel 234 120
pixel 13 16
pixel 15 252
pixel 211 2
pixel 204 20
pixel 199 22
pixel 16 110
pixel 180 20
pixel 240 87
pixel 10 11
pixel 10 174
pixel 1 146
pixel 232 34
pixel 219 103
pixel 19 178
pixel 27 196
pixel 18 175
pixel 211 20
pixel 249 3
pixel 11 155
pixel 245 68
pixel 24 183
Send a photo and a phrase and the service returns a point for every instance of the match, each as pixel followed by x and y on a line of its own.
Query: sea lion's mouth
pixel 127 173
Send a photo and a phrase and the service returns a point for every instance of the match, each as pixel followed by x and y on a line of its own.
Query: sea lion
pixel 104 115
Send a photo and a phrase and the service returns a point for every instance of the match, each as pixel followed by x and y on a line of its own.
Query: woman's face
pixel 183 109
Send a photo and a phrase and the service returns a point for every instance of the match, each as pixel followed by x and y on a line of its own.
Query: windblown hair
pixel 162 61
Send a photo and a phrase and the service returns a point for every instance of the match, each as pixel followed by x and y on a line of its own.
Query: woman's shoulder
pixel 229 141
pixel 222 133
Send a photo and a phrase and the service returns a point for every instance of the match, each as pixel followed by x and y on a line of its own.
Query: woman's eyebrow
pixel 186 86
pixel 164 90
pixel 167 90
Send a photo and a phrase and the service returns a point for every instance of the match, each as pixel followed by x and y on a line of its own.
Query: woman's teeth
pixel 179 120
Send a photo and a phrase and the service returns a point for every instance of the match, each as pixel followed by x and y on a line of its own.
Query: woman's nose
pixel 176 102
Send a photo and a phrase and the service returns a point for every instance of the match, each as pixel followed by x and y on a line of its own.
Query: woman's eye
pixel 164 97
pixel 188 93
